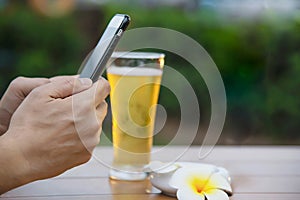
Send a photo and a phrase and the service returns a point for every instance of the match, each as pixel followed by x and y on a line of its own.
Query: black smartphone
pixel 95 64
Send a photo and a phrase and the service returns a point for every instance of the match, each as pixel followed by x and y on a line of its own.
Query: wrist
pixel 14 170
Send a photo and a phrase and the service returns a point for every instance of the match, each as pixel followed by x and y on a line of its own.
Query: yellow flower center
pixel 198 184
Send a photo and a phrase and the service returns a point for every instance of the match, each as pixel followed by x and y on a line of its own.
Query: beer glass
pixel 135 83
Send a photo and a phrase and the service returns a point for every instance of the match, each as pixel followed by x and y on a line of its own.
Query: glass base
pixel 127 176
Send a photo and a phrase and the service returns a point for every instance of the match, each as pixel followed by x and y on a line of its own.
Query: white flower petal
pixel 186 193
pixel 170 176
pixel 182 176
pixel 160 176
pixel 224 173
pixel 216 194
pixel 219 182
pixel 161 181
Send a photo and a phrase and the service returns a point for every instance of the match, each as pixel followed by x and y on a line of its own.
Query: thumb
pixel 66 86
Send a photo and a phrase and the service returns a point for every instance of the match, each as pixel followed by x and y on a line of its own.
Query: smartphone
pixel 95 64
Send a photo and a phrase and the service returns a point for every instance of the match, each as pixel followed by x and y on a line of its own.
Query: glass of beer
pixel 135 83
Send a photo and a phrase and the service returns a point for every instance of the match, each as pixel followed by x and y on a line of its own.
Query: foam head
pixel 134 71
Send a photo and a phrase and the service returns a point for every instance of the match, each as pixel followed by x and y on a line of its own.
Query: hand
pixel 54 129
pixel 13 97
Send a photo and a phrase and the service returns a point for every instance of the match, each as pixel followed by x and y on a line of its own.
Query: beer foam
pixel 134 71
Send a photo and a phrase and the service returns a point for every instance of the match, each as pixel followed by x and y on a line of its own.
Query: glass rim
pixel 137 55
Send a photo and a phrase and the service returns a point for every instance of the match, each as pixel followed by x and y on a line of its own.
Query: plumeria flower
pixel 189 181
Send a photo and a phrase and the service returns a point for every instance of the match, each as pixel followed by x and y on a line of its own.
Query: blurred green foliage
pixel 259 60
pixel 34 45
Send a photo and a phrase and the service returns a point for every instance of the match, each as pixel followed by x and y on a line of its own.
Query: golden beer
pixel 134 95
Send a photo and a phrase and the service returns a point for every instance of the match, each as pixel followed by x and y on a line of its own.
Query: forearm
pixel 12 168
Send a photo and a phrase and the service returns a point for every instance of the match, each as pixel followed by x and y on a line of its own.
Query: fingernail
pixel 86 81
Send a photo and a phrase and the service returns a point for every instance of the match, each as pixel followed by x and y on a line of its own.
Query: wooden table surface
pixel 258 173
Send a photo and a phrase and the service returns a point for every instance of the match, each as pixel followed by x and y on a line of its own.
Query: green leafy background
pixel 258 58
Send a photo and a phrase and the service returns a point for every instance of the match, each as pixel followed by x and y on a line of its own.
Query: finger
pixel 22 86
pixel 56 78
pixel 66 86
pixel 97 93
pixel 101 111
pixel 18 89
pixel 98 135
pixel 102 90
pixel 60 78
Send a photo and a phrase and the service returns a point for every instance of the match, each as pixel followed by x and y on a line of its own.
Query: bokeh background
pixel 254 43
